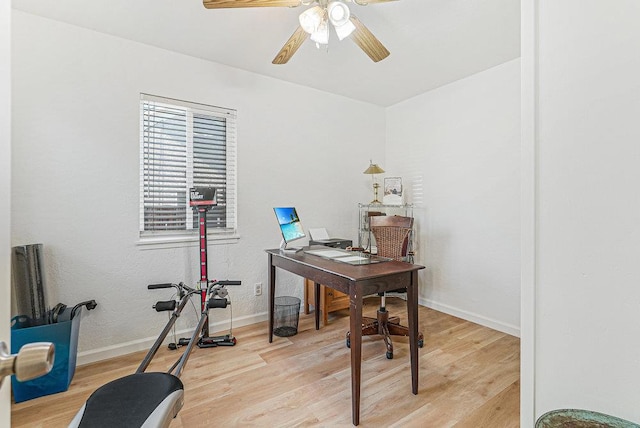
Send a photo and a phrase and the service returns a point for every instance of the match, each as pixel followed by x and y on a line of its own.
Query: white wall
pixel 5 195
pixel 75 172
pixel 457 150
pixel 585 139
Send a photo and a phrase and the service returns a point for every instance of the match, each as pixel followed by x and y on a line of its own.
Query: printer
pixel 321 237
pixel 332 242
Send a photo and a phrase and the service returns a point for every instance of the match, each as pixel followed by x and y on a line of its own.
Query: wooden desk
pixel 356 281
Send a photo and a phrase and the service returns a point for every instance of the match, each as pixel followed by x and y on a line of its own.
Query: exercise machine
pixel 152 399
pixel 202 199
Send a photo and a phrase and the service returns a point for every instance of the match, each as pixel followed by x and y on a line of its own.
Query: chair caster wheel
pixel 349 343
pixel 389 355
pixel 420 343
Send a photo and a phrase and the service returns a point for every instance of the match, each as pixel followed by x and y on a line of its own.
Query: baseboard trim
pixel 94 355
pixel 491 323
pixel 107 352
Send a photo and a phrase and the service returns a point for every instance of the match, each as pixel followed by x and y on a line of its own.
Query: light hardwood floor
pixel 469 377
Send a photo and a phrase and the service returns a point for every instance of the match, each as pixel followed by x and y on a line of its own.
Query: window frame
pixel 228 234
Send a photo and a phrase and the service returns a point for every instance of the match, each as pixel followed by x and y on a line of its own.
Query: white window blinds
pixel 184 145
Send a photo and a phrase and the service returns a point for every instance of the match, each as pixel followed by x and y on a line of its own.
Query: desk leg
pixel 355 326
pixel 412 314
pixel 317 303
pixel 306 298
pixel 272 294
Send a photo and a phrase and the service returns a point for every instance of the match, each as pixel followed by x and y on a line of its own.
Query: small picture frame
pixel 393 194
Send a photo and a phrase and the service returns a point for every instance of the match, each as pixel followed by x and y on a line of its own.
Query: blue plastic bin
pixel 64 336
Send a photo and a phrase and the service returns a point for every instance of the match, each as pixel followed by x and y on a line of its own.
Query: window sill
pixel 160 242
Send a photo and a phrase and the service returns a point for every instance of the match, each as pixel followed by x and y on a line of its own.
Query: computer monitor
pixel 290 226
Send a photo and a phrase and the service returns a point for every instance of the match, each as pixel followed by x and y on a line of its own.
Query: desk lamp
pixel 373 170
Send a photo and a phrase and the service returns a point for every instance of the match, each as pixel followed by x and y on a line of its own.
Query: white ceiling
pixel 432 42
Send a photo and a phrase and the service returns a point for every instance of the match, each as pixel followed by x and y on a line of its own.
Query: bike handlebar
pixel 185 287
pixel 229 282
pixel 156 286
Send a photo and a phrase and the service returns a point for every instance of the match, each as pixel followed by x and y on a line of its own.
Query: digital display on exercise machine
pixel 202 196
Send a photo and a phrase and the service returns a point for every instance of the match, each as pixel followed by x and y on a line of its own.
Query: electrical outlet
pixel 257 289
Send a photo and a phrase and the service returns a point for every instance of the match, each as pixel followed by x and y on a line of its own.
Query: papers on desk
pixel 344 256
pixel 332 254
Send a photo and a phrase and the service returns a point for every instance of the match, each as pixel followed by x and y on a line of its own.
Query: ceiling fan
pixel 314 24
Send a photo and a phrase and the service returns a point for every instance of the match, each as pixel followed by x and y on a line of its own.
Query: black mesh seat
pixel 137 400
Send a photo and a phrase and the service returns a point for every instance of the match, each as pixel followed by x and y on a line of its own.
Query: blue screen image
pixel 289 223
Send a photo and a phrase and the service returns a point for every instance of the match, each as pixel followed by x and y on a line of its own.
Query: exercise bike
pixel 153 399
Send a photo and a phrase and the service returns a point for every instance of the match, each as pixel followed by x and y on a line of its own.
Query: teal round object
pixel 576 418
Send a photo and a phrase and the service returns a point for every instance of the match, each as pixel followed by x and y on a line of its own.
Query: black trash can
pixel 286 316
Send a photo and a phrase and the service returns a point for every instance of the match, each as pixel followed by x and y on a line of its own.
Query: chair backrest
pixel 392 235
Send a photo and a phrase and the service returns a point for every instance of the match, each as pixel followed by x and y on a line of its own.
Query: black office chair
pixel 392 240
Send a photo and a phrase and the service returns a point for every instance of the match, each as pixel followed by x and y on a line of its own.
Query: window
pixel 184 145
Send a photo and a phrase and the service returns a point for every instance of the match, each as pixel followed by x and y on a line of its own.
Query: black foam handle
pixel 156 286
pixel 218 303
pixel 90 304
pixel 230 282
pixel 168 305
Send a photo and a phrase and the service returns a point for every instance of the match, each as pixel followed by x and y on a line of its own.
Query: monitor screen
pixel 289 222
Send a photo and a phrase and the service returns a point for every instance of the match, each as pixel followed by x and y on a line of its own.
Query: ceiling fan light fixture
pixel 339 13
pixel 311 19
pixel 321 35
pixel 345 30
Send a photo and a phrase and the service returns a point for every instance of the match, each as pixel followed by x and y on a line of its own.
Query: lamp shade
pixel 373 169
pixel 343 31
pixel 321 35
pixel 338 13
pixel 311 19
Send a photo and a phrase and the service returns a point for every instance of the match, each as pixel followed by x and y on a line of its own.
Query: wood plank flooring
pixel 469 378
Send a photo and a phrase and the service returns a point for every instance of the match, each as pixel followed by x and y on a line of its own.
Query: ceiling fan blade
pixel 368 42
pixel 224 4
pixel 295 41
